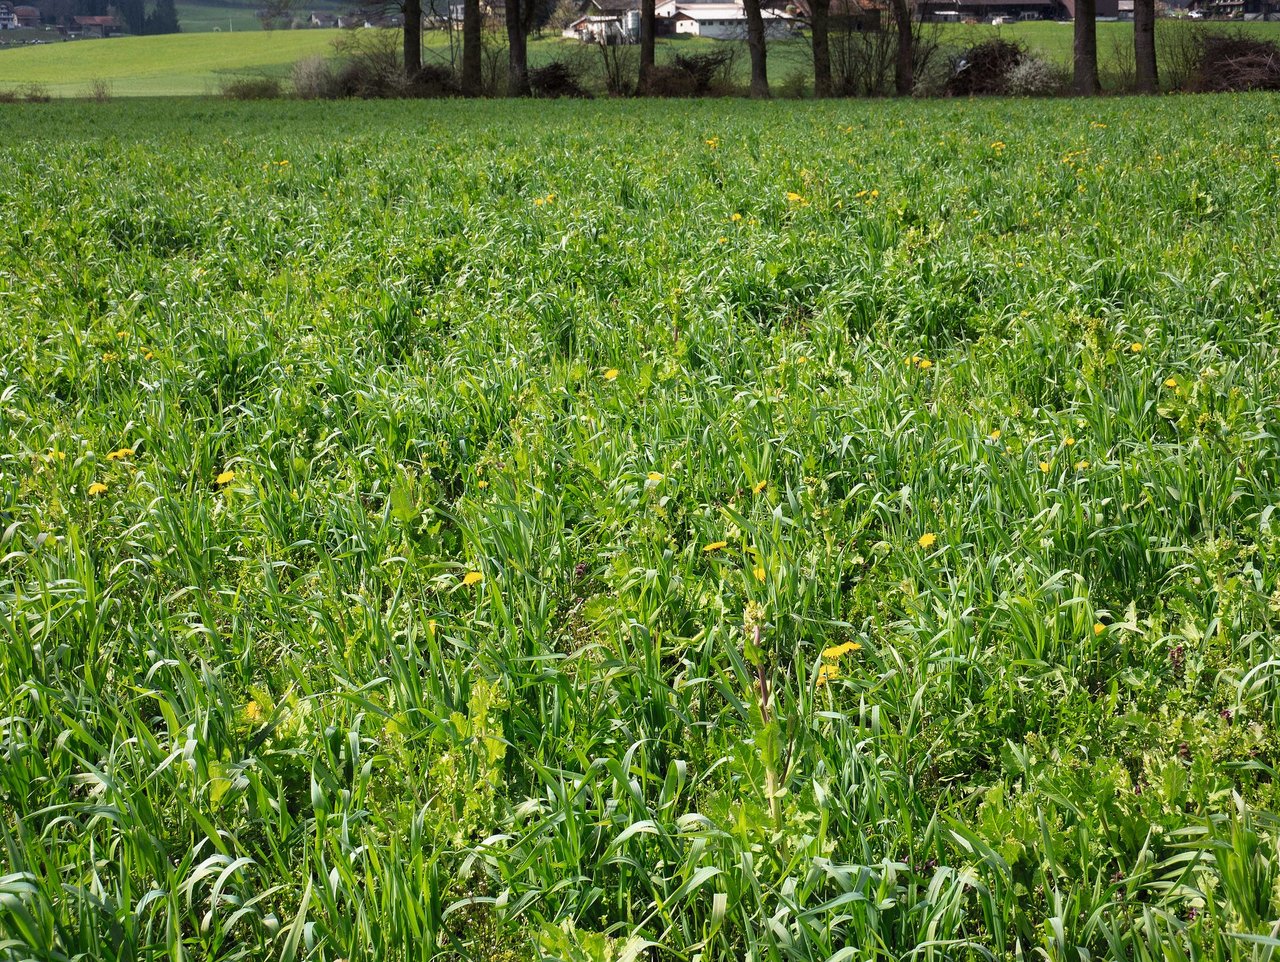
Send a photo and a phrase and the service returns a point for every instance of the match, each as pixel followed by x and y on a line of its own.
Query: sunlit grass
pixel 406 506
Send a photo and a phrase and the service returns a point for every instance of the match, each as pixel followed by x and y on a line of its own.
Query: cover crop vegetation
pixel 597 531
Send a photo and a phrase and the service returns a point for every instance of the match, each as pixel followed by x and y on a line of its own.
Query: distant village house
pixel 618 21
pixel 96 27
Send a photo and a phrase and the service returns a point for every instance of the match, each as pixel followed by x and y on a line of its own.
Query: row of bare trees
pixel 522 15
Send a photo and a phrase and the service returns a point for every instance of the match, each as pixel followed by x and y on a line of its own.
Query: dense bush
pixel 560 78
pixel 1034 77
pixel 985 67
pixel 315 79
pixel 697 75
pixel 252 88
pixel 1236 62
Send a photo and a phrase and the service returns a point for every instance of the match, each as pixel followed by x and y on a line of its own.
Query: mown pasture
pixel 603 531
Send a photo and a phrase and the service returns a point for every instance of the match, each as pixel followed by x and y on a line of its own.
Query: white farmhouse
pixel 725 21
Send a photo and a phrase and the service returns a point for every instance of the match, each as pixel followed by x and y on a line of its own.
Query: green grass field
pixel 602 531
pixel 196 64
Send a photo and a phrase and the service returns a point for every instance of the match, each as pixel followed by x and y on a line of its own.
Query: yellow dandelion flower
pixel 759 573
pixel 226 477
pixel 148 356
pixel 802 359
pixel 120 455
pixel 1099 627
pixel 1082 465
pixel 656 476
pixel 1069 441
pixel 96 489
pixel 825 674
pixel 109 356
pixel 482 484
pixel 714 546
pixel 759 486
pixel 1171 382
pixel 538 202
pixel 995 435
pixel 1044 466
pixel 925 364
pixel 722 240
pixel 839 651
pixel 1136 347
pixel 928 540
pixel 472 578
pixel 735 217
pixel 611 374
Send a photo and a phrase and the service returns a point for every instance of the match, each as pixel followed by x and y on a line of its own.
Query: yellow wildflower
pixel 472 578
pixel 656 476
pixel 759 573
pixel 1171 382
pixel 995 435
pixel 735 217
pixel 759 486
pixel 120 455
pixel 611 374
pixel 482 484
pixel 1136 347
pixel 1099 627
pixel 825 674
pixel 714 546
pixel 1069 441
pixel 1044 466
pixel 839 651
pixel 925 364
pixel 226 477
pixel 96 489
pixel 1082 465
pixel 928 540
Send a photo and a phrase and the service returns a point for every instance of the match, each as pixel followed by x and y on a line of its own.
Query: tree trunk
pixel 819 26
pixel 1086 47
pixel 904 68
pixel 755 44
pixel 471 48
pixel 517 51
pixel 648 58
pixel 1144 45
pixel 412 37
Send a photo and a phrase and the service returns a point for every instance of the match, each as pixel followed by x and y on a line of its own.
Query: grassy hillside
pixel 177 65
pixel 193 64
pixel 512 532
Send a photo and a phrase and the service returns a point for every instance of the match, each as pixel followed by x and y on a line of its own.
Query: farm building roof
pixel 723 11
